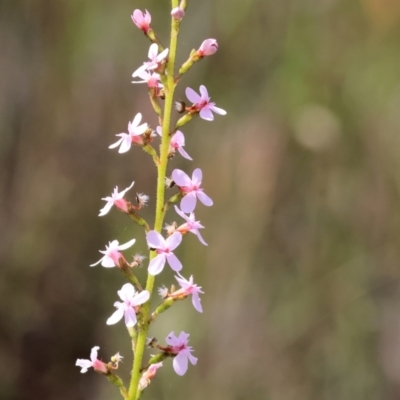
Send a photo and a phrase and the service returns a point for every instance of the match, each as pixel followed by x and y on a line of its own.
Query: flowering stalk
pixel 134 308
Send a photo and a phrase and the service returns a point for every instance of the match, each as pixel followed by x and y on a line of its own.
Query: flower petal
pixel 140 298
pixel 192 95
pixel 108 262
pixel 204 198
pixel 156 265
pixel 173 241
pixel 125 144
pixel 183 153
pixel 106 208
pixel 180 178
pixel 84 364
pixel 154 240
pixel 204 93
pixel 130 317
pixel 196 302
pixel 116 144
pixel 126 245
pixel 94 352
pixel 218 110
pixel 174 262
pixel 180 363
pixel 126 292
pixel 97 263
pixel 116 317
pixel 198 234
pixel 206 114
pixel 197 176
pixel 188 203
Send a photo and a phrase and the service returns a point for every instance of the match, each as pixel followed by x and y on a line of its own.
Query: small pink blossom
pixel 151 78
pixel 164 248
pixel 178 13
pixel 130 301
pixel 179 346
pixel 202 103
pixel 112 255
pixel 135 130
pixel 142 20
pixel 177 142
pixel 149 375
pixel 207 48
pixel 191 189
pixel 191 225
pixel 93 362
pixel 155 60
pixel 117 200
pixel 188 288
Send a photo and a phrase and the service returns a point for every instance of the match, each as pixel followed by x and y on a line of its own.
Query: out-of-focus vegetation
pixel 301 276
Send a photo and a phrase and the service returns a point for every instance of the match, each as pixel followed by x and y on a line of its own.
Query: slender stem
pixel 161 169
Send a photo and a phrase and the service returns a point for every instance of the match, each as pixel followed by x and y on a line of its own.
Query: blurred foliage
pixel 301 277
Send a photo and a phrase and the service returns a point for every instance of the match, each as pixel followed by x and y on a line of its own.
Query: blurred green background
pixel 301 275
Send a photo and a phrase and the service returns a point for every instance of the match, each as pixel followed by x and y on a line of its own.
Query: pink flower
pixel 178 13
pixel 141 20
pixel 149 375
pixel 202 103
pixel 191 189
pixel 187 288
pixel 191 225
pixel 165 253
pixel 182 350
pixel 130 301
pixel 151 78
pixel 127 139
pixel 93 362
pixel 112 255
pixel 177 142
pixel 207 48
pixel 155 60
pixel 117 200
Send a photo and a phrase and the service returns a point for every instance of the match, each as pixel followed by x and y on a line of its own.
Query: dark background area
pixel 301 275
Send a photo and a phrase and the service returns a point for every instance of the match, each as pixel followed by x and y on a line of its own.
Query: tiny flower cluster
pixel 133 306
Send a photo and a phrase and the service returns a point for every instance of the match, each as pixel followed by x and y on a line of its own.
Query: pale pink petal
pixel 130 317
pixel 116 317
pixel 184 154
pixel 192 358
pixel 197 176
pixel 188 203
pixel 116 144
pixel 153 50
pixel 218 110
pixel 180 363
pixel 139 71
pixel 154 240
pixel 156 265
pixel 136 121
pixel 173 241
pixel 159 130
pixel 126 292
pixel 84 364
pixel 204 93
pixel 141 298
pixel 180 213
pixel 204 198
pixel 192 95
pixel 126 245
pixel 174 262
pixel 94 352
pixel 196 302
pixel 162 55
pixel 180 178
pixel 125 144
pixel 122 194
pixel 97 263
pixel 206 114
pixel 197 233
pixel 106 208
pixel 108 262
pixel 172 340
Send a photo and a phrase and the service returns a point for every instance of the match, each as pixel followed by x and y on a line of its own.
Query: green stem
pixel 162 170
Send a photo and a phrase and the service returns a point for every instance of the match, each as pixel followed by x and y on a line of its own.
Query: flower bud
pixel 141 20
pixel 178 13
pixel 207 48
